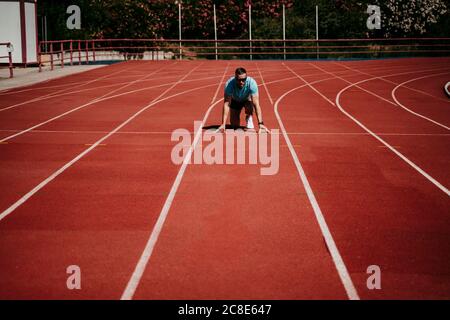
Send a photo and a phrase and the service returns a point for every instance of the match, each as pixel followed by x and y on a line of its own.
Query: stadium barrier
pixel 95 50
pixel 9 48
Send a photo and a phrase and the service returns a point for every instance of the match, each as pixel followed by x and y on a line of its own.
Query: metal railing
pixel 86 51
pixel 9 48
pixel 96 50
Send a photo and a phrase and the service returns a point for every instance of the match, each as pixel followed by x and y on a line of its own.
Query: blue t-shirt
pixel 250 88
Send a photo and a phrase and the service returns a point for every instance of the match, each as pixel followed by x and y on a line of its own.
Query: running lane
pixel 28 159
pixel 66 83
pixel 380 211
pixel 429 149
pixel 18 116
pixel 232 233
pixel 435 106
pixel 98 213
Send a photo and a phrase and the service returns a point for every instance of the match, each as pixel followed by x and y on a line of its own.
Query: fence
pixel 8 48
pixel 96 50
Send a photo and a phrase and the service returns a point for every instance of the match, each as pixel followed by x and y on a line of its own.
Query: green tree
pixel 159 18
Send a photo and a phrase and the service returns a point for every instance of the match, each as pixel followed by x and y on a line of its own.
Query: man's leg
pixel 235 118
pixel 235 113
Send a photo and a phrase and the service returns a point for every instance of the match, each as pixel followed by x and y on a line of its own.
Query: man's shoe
pixel 249 120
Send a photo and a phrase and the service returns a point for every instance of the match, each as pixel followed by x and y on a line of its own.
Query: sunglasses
pixel 241 80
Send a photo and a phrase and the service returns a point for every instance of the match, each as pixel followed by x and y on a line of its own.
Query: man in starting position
pixel 241 92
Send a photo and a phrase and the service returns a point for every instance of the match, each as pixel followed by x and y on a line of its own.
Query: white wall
pixel 10 30
pixel 30 24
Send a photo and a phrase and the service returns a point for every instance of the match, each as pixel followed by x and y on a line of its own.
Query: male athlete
pixel 241 92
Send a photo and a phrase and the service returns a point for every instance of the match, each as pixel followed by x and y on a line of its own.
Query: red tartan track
pixel 86 187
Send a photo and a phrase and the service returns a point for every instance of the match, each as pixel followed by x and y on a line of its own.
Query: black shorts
pixel 238 105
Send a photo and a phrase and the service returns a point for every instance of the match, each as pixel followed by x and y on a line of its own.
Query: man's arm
pixel 255 100
pixel 225 112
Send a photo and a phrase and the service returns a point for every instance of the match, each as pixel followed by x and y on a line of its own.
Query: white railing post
pixel 250 29
pixel 179 26
pixel 284 32
pixel 215 29
pixel 317 31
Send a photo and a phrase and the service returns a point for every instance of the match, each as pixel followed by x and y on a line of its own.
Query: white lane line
pixel 54 95
pixel 367 134
pixel 290 133
pixel 107 98
pixel 415 113
pixel 148 250
pixel 308 84
pixel 95 100
pixel 68 85
pixel 131 83
pixel 11 91
pixel 404 158
pixel 26 87
pixel 118 84
pixel 40 87
pixel 385 147
pixel 345 72
pixel 355 84
pixel 392 82
pixel 23 199
pixel 94 88
pixel 61 92
pixel 334 251
pixel 400 155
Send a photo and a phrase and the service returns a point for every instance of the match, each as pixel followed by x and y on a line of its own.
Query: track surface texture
pixel 88 180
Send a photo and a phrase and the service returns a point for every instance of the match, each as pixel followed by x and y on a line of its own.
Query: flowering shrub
pixel 411 17
pixel 158 19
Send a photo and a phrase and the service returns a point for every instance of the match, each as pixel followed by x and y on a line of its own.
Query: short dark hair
pixel 240 71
